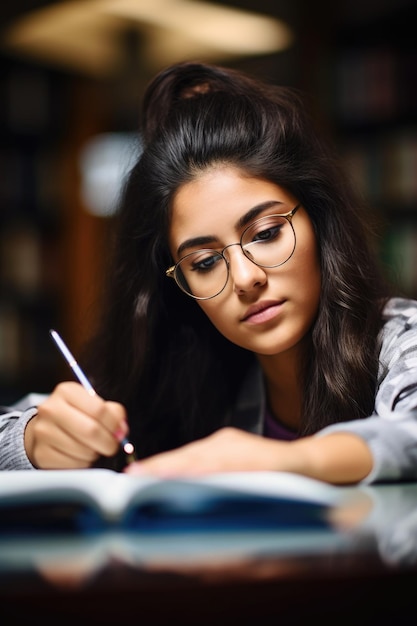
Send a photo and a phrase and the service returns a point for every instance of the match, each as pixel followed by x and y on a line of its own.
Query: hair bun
pixel 186 80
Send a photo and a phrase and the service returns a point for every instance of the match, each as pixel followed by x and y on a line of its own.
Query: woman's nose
pixel 244 274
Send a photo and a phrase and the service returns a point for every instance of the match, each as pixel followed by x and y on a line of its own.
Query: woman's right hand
pixel 72 429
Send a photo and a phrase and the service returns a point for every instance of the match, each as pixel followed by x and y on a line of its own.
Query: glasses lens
pixel 202 274
pixel 269 241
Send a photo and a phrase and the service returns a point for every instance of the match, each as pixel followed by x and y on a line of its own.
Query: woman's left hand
pixel 227 450
pixel 338 457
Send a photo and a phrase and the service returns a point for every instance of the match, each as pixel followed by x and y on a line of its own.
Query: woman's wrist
pixel 339 458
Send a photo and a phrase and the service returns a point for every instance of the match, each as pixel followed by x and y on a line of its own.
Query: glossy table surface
pixel 362 569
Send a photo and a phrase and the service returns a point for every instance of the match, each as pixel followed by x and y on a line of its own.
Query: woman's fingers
pixel 73 428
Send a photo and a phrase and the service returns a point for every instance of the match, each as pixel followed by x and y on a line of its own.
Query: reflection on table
pixel 368 550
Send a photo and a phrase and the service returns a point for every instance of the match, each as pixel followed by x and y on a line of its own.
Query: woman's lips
pixel 262 312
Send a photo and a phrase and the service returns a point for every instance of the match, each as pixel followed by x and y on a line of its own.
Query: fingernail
pixel 120 434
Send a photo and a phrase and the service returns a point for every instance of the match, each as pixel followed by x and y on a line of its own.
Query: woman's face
pixel 265 310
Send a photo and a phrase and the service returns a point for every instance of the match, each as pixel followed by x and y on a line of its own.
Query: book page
pixel 146 501
pixel 278 484
pixel 102 488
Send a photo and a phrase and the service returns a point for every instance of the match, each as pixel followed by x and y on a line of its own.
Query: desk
pixel 363 570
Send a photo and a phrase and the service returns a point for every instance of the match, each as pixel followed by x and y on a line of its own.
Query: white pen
pixel 127 446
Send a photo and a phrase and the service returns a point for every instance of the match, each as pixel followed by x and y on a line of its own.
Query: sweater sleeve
pixel 12 449
pixel 13 421
pixel 391 432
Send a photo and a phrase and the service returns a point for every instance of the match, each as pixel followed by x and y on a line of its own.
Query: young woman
pixel 245 325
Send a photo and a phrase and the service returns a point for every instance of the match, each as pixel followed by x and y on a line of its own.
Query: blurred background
pixel 72 77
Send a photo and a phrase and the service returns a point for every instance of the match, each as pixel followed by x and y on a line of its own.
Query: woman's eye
pixel 205 264
pixel 268 234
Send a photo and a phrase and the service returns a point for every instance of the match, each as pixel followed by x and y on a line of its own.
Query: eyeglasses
pixel 268 242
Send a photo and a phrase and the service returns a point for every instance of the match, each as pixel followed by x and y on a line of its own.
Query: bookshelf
pixel 51 249
pixel 370 92
pixel 30 226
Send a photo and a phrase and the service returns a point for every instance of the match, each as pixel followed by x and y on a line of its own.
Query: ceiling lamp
pixel 89 35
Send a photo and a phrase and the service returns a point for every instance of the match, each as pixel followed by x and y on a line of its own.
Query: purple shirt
pixel 274 430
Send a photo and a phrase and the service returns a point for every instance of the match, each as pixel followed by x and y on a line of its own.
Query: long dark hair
pixel 155 350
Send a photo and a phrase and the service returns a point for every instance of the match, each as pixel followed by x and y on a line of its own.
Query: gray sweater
pixel 390 432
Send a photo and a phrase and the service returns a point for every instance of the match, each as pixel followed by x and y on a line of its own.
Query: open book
pixel 45 501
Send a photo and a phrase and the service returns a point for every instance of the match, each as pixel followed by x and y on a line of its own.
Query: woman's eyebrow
pixel 254 212
pixel 199 242
pixel 195 242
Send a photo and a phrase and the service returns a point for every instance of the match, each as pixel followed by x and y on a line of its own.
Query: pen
pixel 127 446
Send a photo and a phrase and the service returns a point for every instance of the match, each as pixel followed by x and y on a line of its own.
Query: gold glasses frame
pixel 171 271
